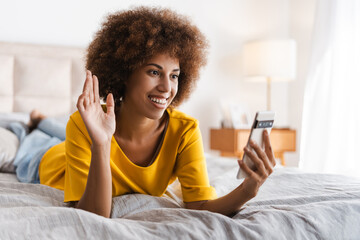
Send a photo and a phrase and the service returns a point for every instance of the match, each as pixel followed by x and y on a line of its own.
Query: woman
pixel 144 62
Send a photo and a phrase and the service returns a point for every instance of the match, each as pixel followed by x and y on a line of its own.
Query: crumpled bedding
pixel 290 205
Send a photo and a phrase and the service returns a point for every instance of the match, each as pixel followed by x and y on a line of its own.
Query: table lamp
pixel 269 60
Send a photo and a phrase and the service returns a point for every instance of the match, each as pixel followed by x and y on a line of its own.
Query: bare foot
pixel 35 117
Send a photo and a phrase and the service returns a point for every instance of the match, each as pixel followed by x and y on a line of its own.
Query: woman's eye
pixel 174 76
pixel 155 72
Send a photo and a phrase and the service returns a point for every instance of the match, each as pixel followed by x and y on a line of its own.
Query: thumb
pixel 110 103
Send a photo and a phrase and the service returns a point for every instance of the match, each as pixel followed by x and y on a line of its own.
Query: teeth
pixel 157 100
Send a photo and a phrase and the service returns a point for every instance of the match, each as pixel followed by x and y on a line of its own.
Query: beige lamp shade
pixel 269 60
pixel 275 59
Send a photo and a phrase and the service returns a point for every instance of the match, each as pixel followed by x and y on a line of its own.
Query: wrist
pixel 101 153
pixel 246 192
pixel 104 145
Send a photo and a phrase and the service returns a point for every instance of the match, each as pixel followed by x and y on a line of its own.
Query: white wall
pixel 226 23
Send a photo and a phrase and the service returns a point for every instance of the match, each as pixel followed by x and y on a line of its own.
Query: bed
pixel 290 205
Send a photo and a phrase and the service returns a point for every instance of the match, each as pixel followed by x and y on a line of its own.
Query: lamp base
pixel 268 103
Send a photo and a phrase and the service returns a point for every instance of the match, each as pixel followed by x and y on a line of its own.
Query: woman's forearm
pixel 228 204
pixel 97 197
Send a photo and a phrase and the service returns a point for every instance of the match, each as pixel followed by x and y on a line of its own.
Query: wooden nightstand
pixel 231 142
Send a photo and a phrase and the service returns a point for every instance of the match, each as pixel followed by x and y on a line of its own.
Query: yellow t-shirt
pixel 66 165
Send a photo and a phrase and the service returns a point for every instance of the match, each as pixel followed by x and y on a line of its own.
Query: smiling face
pixel 152 87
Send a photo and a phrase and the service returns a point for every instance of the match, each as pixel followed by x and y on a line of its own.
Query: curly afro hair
pixel 127 39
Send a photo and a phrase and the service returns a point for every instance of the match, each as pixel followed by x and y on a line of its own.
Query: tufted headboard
pixel 49 78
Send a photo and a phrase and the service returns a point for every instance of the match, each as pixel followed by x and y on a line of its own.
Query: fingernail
pixel 252 142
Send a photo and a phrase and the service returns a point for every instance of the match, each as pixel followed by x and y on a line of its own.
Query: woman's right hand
pixel 100 125
pixel 264 160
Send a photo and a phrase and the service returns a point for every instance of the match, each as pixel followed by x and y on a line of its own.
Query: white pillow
pixel 9 145
pixel 6 118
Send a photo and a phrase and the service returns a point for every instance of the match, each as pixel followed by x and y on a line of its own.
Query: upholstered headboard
pixel 48 78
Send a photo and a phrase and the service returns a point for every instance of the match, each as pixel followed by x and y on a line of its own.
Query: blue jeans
pixel 33 146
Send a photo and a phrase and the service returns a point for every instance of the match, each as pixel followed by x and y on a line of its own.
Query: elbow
pixel 199 205
pixel 98 211
pixel 105 215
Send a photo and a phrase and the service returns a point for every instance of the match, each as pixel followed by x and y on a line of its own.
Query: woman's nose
pixel 165 84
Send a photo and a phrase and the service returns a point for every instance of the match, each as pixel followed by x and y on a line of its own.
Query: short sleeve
pixel 78 158
pixel 191 167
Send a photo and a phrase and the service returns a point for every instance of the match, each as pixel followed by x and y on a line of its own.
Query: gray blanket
pixel 290 205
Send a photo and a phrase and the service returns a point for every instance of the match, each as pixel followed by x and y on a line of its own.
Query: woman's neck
pixel 131 126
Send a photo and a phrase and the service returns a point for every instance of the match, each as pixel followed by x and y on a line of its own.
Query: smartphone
pixel 263 120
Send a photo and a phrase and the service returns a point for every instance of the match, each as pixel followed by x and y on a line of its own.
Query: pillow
pixel 6 118
pixel 9 145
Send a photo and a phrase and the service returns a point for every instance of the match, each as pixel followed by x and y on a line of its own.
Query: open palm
pixel 99 124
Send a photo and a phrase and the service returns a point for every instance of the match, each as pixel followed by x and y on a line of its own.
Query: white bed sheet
pixel 290 205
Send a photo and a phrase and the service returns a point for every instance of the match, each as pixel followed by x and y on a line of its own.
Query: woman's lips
pixel 159 102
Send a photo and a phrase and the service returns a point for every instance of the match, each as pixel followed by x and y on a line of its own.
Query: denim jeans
pixel 33 146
